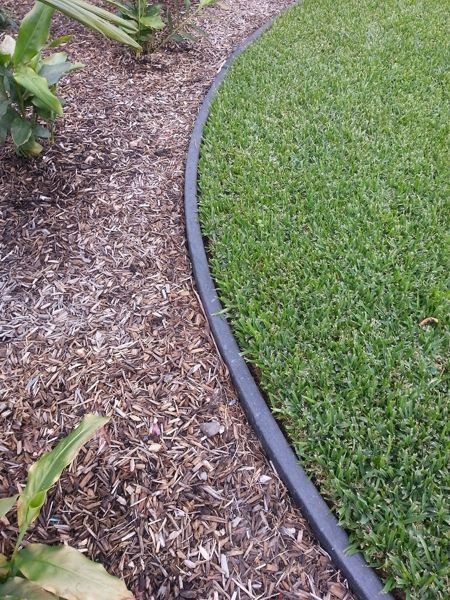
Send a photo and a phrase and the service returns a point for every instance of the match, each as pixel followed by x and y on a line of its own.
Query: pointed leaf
pixel 47 470
pixel 69 574
pixel 89 18
pixel 20 131
pixel 41 132
pixel 62 39
pixel 6 504
pixel 33 33
pixel 21 589
pixel 55 59
pixel 5 123
pixel 38 86
pixel 54 72
pixel 31 148
pixel 153 21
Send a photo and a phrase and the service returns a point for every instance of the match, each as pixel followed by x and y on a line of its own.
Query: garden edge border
pixel 362 579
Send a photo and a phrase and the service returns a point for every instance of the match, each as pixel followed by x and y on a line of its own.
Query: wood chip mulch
pixel 98 313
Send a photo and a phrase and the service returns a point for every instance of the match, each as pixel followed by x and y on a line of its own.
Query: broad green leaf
pixel 69 574
pixel 21 589
pixel 84 14
pixel 41 132
pixel 33 33
pixel 5 123
pixel 205 3
pixel 20 131
pixel 55 59
pixel 31 148
pixel 62 39
pixel 155 22
pixel 47 470
pixel 54 72
pixel 38 86
pixel 6 504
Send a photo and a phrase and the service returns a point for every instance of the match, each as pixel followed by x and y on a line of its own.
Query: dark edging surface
pixel 363 580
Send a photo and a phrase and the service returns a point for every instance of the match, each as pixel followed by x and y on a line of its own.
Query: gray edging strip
pixel 362 579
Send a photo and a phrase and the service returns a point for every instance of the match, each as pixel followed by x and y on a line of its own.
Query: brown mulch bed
pixel 98 313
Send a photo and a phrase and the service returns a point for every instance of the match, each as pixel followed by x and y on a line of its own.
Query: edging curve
pixel 362 579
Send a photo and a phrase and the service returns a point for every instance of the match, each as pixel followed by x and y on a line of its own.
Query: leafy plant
pixel 41 572
pixel 150 18
pixel 146 17
pixel 98 19
pixel 28 82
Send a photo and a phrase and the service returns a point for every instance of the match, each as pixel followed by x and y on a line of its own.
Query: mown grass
pixel 324 196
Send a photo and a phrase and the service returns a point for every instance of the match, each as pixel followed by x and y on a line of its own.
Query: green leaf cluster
pixel 29 103
pixel 41 572
pixel 98 19
pixel 175 20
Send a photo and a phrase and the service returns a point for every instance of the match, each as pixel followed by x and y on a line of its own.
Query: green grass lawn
pixel 324 185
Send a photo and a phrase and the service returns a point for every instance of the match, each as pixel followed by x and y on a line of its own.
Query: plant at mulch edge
pixel 43 572
pixel 146 17
pixel 149 18
pixel 28 82
pixel 98 19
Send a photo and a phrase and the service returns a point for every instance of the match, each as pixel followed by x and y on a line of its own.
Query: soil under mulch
pixel 99 314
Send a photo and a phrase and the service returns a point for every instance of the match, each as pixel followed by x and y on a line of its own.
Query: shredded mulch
pixel 98 313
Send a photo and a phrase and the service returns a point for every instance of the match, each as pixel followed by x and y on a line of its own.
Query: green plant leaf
pixel 20 131
pixel 5 123
pixel 38 86
pixel 69 574
pixel 33 33
pixel 62 39
pixel 205 3
pixel 20 589
pixel 6 504
pixel 153 21
pixel 41 111
pixel 47 470
pixel 41 132
pixel 31 148
pixel 54 72
pixel 88 15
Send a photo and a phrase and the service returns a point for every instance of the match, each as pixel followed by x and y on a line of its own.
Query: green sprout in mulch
pixel 324 187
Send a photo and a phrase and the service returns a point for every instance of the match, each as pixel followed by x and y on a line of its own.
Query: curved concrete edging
pixel 362 579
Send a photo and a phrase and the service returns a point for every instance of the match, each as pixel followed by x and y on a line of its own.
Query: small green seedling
pixel 42 572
